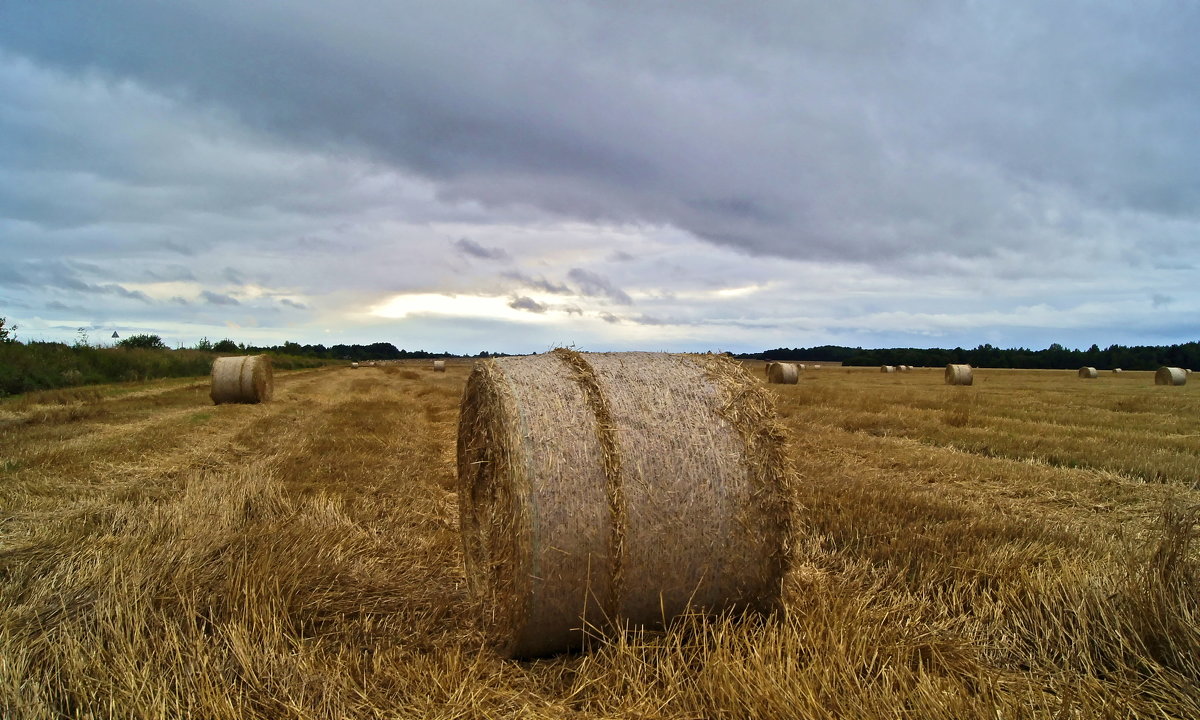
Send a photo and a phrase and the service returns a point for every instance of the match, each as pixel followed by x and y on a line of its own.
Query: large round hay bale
pixel 887 368
pixel 1088 373
pixel 245 379
pixel 1170 376
pixel 598 491
pixel 957 374
pixel 439 366
pixel 767 368
pixel 783 373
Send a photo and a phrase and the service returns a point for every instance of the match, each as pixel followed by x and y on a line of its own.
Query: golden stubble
pixel 1023 547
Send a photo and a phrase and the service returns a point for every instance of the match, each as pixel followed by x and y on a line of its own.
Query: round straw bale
pixel 800 367
pixel 439 366
pixel 816 367
pixel 353 366
pixel 1117 371
pixel 887 368
pixel 244 379
pixel 1088 373
pixel 767 368
pixel 959 374
pixel 599 491
pixel 1170 376
pixel 784 373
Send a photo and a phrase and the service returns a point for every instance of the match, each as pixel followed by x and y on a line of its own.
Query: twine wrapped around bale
pixel 601 491
pixel 439 366
pixel 783 373
pixel 1170 376
pixel 957 374
pixel 245 379
pixel 1088 373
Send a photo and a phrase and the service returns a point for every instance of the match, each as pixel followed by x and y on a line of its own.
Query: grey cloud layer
pixel 817 130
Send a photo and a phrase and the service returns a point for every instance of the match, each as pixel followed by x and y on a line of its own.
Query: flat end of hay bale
pixel 244 379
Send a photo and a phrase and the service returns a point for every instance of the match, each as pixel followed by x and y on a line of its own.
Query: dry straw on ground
pixel 246 379
pixel 1170 376
pixel 1088 373
pixel 783 373
pixel 439 366
pixel 602 491
pixel 957 374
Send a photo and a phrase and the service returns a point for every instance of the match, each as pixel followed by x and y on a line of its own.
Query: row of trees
pixel 1055 357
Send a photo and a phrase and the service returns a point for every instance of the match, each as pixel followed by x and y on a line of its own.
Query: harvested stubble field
pixel 1021 548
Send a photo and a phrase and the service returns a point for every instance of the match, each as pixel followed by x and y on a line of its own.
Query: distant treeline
pixel 25 367
pixel 374 351
pixel 1055 357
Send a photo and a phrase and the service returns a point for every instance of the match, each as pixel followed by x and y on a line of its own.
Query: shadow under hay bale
pixel 618 489
pixel 957 374
pixel 246 379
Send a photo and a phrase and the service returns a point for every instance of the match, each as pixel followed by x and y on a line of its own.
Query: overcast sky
pixel 516 175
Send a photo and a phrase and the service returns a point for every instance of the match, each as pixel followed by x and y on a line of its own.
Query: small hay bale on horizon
pixel 242 379
pixel 959 374
pixel 1088 373
pixel 1170 376
pixel 783 373
pixel 439 366
pixel 1117 371
pixel 659 485
pixel 887 368
pixel 353 366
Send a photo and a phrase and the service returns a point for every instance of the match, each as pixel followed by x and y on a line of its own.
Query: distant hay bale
pixel 816 367
pixel 1117 371
pixel 903 368
pixel 353 366
pixel 1170 376
pixel 887 368
pixel 1088 373
pixel 245 379
pixel 604 490
pixel 957 374
pixel 800 367
pixel 783 373
pixel 439 366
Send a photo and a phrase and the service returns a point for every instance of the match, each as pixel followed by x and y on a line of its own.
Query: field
pixel 1021 548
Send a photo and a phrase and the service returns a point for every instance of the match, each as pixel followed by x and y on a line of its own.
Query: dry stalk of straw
pixel 602 491
pixel 1088 373
pixel 784 373
pixel 1170 376
pixel 957 374
pixel 246 379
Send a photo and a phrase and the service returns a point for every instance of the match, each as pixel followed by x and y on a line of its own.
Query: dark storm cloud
pixel 594 285
pixel 475 250
pixel 527 304
pixel 809 129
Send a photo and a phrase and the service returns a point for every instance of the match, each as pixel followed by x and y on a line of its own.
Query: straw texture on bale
pixel 887 368
pixel 245 379
pixel 1088 372
pixel 600 491
pixel 767 368
pixel 959 374
pixel 783 373
pixel 439 366
pixel 1170 376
